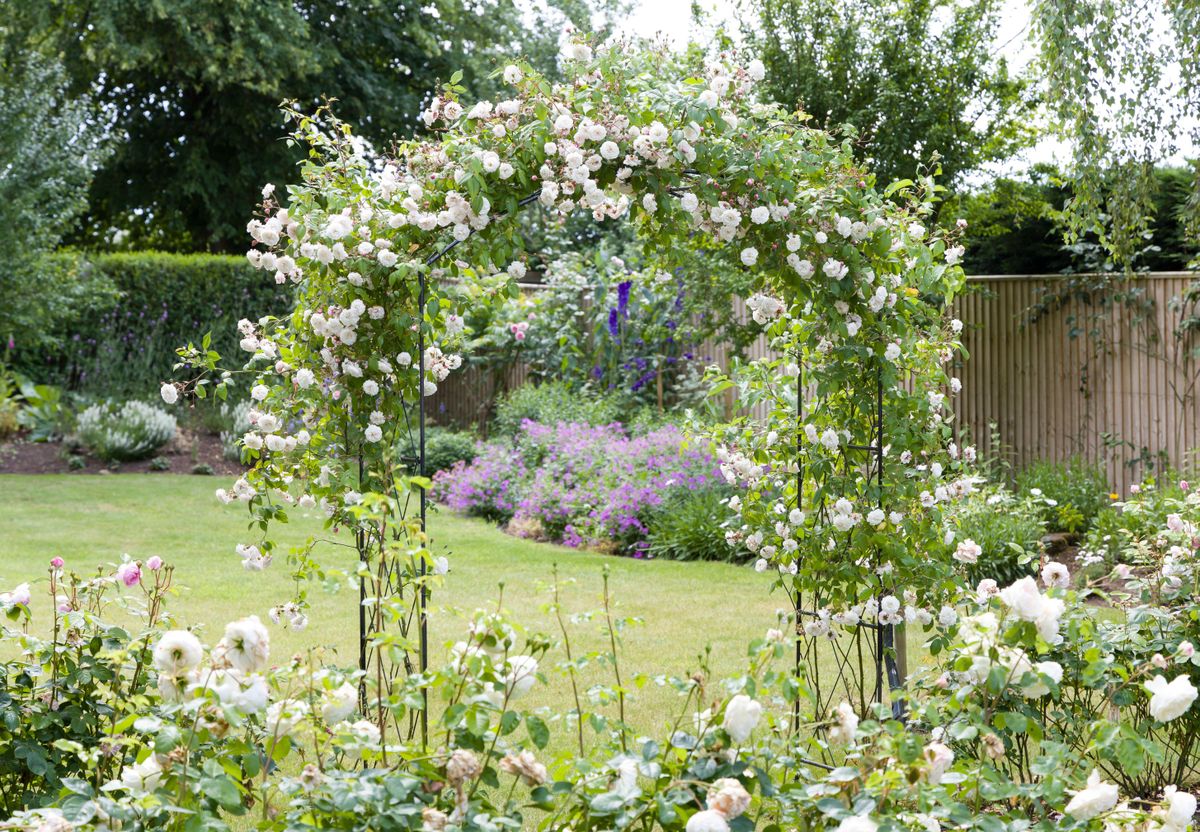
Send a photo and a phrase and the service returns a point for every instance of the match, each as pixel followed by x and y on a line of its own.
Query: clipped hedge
pixel 119 338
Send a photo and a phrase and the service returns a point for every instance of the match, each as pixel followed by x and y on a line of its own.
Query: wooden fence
pixel 1059 366
pixel 1089 367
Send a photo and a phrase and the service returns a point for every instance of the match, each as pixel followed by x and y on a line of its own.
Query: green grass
pixel 687 608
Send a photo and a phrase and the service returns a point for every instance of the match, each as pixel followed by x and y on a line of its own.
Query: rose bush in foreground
pixel 1000 736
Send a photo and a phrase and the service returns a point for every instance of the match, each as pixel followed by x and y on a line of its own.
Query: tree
pixel 1123 82
pixel 193 89
pixel 49 146
pixel 913 77
pixel 1015 226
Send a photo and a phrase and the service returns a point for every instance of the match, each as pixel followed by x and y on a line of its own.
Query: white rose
pixel 1170 700
pixel 246 644
pixel 169 393
pixel 1056 575
pixel 939 758
pixel 749 255
pixel 1094 800
pixel 1037 689
pixel 373 433
pixel 857 823
pixel 741 716
pixel 708 820
pixel 521 677
pixel 1180 808
pixel 339 703
pixel 177 652
pixel 1023 598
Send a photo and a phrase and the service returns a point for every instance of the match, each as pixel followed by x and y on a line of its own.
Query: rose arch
pixel 845 450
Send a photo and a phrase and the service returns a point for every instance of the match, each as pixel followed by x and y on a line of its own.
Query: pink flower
pixel 1134 489
pixel 129 573
pixel 1183 485
pixel 19 597
pixel 57 562
pixel 154 563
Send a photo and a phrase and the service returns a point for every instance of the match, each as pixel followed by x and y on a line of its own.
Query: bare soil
pixel 182 455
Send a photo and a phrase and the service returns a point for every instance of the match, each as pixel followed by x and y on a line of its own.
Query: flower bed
pixel 579 485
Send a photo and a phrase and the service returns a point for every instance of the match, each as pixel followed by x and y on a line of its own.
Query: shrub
pixel 132 310
pixel 444 448
pixel 124 432
pixel 1135 519
pixel 61 696
pixel 691 525
pixel 44 413
pixel 578 484
pixel 488 487
pixel 1008 530
pixel 1027 691
pixel 552 402
pixel 9 407
pixel 1076 492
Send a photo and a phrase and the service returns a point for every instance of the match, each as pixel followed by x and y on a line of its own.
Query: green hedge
pixel 132 310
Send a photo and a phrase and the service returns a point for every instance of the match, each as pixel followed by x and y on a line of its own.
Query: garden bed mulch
pixel 181 456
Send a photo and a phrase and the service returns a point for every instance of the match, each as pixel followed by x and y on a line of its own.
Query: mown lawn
pixel 686 608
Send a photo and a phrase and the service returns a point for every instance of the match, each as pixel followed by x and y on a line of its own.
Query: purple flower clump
pixel 577 484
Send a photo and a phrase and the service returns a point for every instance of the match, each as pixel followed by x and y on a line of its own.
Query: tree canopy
pixel 913 77
pixel 193 87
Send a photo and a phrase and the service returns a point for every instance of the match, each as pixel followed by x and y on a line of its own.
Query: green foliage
pixel 49 146
pixel 10 411
pixel 44 411
pixel 131 310
pixel 63 693
pixel 691 525
pixel 193 89
pixel 445 447
pixel 1007 529
pixel 867 63
pixel 1015 226
pixel 552 402
pixel 1104 70
pixel 124 432
pixel 1073 493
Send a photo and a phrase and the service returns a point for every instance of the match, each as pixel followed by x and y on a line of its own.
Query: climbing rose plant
pixel 387 255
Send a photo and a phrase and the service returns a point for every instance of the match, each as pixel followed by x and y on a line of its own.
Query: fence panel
pixel 1106 379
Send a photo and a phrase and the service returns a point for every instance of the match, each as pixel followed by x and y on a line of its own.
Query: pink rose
pixel 129 573
pixel 154 563
pixel 57 562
